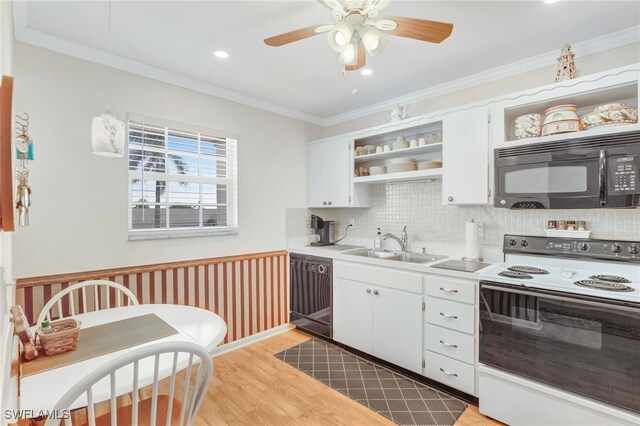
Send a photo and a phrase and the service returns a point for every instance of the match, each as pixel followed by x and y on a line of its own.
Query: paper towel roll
pixel 472 246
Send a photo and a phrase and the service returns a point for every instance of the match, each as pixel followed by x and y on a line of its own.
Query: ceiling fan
pixel 359 30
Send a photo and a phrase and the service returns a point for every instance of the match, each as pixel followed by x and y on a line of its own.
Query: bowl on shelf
pixel 561 119
pixel 612 114
pixel 400 144
pixel 528 126
pixel 377 170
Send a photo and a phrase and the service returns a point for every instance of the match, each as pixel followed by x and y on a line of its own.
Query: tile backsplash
pixel 419 206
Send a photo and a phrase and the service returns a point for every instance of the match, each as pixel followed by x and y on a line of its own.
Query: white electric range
pixel 560 332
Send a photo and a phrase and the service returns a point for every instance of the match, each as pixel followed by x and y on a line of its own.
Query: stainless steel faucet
pixel 403 241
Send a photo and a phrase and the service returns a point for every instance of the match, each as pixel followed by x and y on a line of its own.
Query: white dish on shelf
pixel 405 166
pixel 377 170
pixel 563 233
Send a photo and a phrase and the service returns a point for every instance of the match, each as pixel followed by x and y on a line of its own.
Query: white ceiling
pixel 181 36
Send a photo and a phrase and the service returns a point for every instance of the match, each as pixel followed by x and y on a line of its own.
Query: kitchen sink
pixel 419 257
pixel 398 256
pixel 375 254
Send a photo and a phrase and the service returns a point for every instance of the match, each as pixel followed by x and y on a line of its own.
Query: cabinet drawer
pixel 450 372
pixel 375 275
pixel 457 289
pixel 450 343
pixel 453 315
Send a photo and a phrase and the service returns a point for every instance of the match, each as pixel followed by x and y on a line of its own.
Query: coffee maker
pixel 324 229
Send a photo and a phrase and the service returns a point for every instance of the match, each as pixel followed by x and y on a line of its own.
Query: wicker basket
pixel 63 338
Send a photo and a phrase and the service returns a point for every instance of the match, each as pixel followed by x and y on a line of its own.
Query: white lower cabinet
pixel 455 345
pixel 451 372
pixel 380 311
pixel 353 314
pixel 381 320
pixel 450 334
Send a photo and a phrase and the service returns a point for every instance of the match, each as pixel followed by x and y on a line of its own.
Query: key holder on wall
pixel 24 153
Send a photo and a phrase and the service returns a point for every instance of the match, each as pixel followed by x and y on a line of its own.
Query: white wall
pixel 79 211
pixel 602 61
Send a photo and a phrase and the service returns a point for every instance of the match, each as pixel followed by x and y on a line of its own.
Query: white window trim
pixel 183 232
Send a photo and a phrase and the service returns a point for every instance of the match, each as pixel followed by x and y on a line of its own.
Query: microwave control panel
pixel 623 174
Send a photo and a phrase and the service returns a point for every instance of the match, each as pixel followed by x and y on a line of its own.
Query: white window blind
pixel 182 180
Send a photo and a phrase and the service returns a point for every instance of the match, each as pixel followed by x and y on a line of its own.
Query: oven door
pixel 581 344
pixel 549 181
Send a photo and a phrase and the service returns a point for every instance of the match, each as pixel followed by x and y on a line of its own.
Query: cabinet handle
pixel 324 203
pixel 448 373
pixel 369 290
pixel 450 198
pixel 376 292
pixel 329 202
pixel 449 315
pixel 449 290
pixel 449 345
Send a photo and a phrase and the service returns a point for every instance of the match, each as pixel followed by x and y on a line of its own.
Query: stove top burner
pixel 528 270
pixel 610 278
pixel 603 285
pixel 515 274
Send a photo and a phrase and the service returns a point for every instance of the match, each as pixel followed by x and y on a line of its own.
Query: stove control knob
pixel 633 249
pixel 524 243
pixel 512 242
pixel 616 248
pixel 583 247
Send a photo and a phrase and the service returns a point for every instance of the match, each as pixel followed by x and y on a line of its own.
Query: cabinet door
pixel 353 314
pixel 397 325
pixel 465 157
pixel 329 173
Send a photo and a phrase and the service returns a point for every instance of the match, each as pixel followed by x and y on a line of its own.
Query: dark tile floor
pixel 398 398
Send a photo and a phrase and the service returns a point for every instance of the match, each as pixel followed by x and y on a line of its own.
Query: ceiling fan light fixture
pixel 349 56
pixel 340 37
pixel 373 40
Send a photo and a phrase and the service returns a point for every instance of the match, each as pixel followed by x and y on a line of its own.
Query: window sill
pixel 179 233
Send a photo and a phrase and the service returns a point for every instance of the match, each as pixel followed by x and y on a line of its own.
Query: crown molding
pixel 24 34
pixel 588 47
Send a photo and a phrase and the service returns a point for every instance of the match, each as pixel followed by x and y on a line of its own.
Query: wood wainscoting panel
pixel 250 292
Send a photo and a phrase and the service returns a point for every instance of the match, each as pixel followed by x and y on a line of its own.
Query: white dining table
pixel 41 391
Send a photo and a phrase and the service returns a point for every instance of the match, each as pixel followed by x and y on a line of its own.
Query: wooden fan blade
pixel 292 36
pixel 362 59
pixel 421 29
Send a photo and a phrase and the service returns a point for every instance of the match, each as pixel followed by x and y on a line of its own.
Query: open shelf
pixel 596 131
pixel 400 177
pixel 434 147
pixel 626 93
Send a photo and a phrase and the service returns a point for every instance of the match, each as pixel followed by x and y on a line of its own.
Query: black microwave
pixel 584 173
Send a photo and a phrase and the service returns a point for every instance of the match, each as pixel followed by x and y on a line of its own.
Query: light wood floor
pixel 250 386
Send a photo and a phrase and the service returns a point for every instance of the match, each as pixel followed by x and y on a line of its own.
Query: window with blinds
pixel 182 179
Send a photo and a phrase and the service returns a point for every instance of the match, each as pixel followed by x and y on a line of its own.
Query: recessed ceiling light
pixel 366 71
pixel 221 54
pixel 550 1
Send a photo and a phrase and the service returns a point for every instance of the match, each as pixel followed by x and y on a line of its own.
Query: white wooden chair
pixel 78 292
pixel 143 367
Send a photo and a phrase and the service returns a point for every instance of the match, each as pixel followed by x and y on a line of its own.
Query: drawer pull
pixel 455 317
pixel 449 290
pixel 448 373
pixel 449 345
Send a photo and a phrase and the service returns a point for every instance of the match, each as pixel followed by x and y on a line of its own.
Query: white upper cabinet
pixel 465 157
pixel 330 169
pixel 329 173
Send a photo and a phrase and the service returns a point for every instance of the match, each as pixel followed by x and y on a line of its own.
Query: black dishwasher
pixel 311 289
